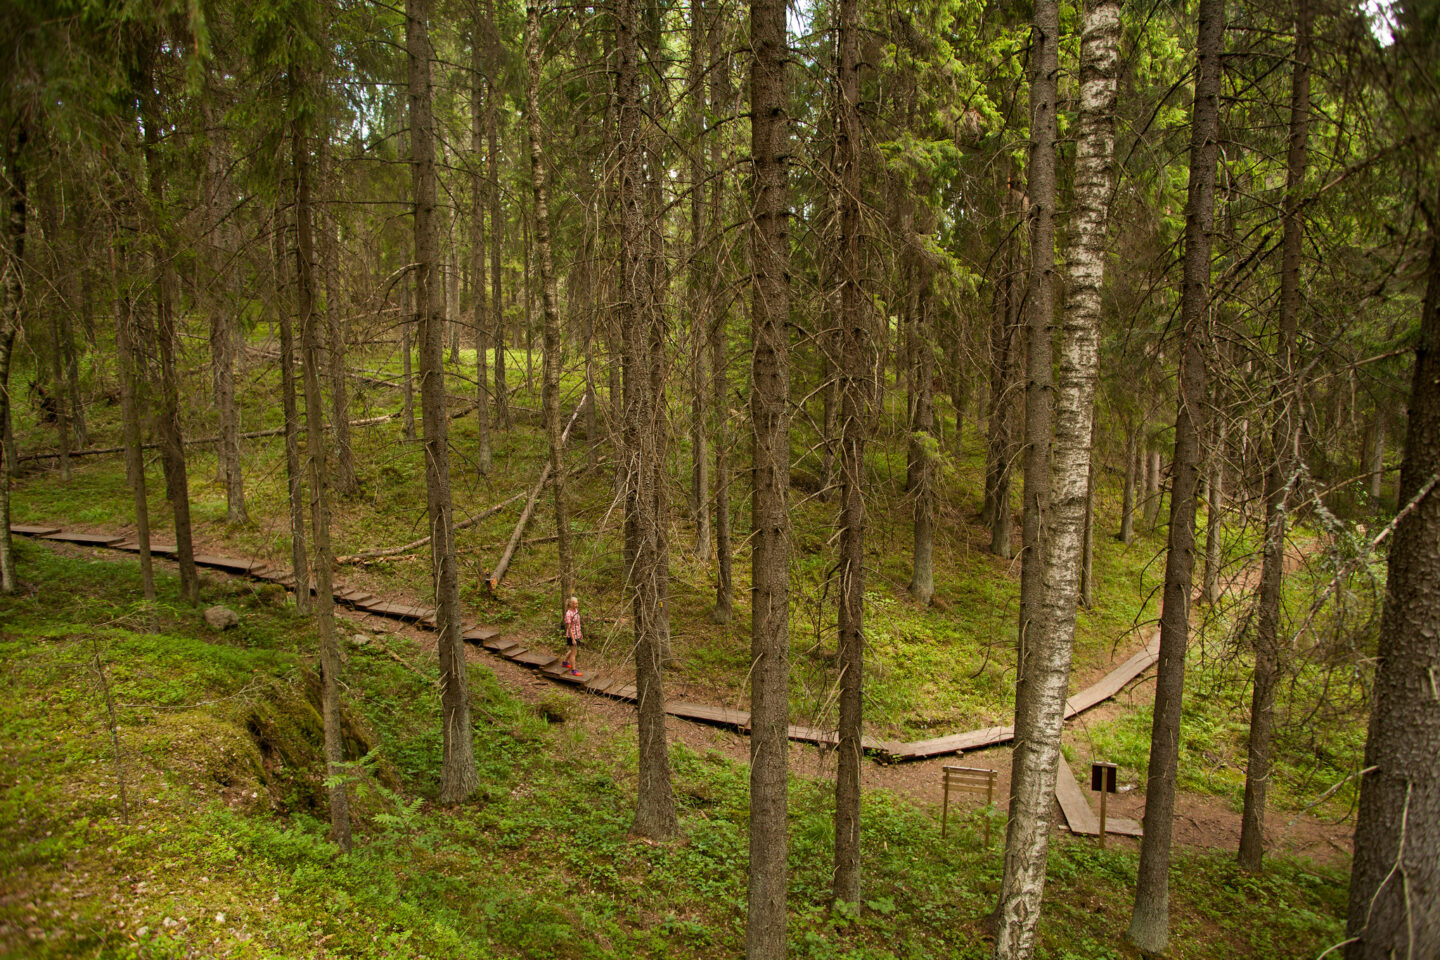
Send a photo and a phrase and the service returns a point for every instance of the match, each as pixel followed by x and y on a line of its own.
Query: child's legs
pixel 574 655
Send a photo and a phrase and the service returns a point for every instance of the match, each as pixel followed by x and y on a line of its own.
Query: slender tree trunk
pixel 528 314
pixel 483 455
pixel 407 379
pixel 346 482
pixel 1000 451
pixel 458 778
pixel 655 804
pixel 1150 922
pixel 698 289
pixel 299 561
pixel 222 338
pixel 1279 478
pixel 57 380
pixel 770 419
pixel 1039 342
pixel 720 95
pixel 550 398
pixel 1127 501
pixel 1047 637
pixel 1214 512
pixel 1377 458
pixel 854 392
pixel 319 471
pixel 923 447
pixel 1154 496
pixel 1395 876
pixel 172 444
pixel 131 403
pixel 9 326
pixel 497 223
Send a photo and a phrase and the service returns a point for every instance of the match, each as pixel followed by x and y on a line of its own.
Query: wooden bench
pixel 974 780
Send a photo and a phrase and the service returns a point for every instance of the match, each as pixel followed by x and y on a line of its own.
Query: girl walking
pixel 573 635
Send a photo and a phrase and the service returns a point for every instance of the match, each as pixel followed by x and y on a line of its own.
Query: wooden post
pixel 1102 779
pixel 1103 795
pixel 945 807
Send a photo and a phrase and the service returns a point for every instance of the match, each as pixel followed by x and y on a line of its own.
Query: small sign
pixel 1102 777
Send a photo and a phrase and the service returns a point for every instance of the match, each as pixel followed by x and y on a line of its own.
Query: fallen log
pixel 498 574
pixel 485 514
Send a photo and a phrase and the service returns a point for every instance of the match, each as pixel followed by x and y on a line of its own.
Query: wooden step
pixel 562 675
pixel 532 658
pixel 33 529
pixel 480 634
pixel 228 564
pixel 84 539
pixel 498 645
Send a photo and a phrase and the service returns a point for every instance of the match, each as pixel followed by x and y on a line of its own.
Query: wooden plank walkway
pixel 1075 804
pixel 1073 801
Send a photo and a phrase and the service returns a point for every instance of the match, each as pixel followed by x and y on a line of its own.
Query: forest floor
pixel 931 671
pixel 222 852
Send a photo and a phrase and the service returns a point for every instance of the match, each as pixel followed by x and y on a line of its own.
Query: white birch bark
pixel 1047 673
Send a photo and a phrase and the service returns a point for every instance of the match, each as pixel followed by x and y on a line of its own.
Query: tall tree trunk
pixel 1377 458
pixel 1127 499
pixel 9 326
pixel 458 778
pixel 57 391
pixel 698 289
pixel 720 96
pixel 854 342
pixel 319 472
pixel 770 419
pixel 1154 495
pixel 131 406
pixel 1395 876
pixel 407 379
pixel 550 398
pixel 497 223
pixel 1279 479
pixel 1039 373
pixel 295 477
pixel 1047 637
pixel 525 258
pixel 172 443
pixel 1150 922
pixel 655 804
pixel 1214 512
pixel 222 338
pixel 483 455
pixel 346 482
pixel 1000 452
pixel 922 443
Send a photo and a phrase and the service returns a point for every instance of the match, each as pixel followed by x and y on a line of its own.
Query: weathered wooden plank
pixel 706 713
pixel 532 658
pixel 497 645
pixel 563 675
pixel 228 564
pixel 398 611
pixel 955 743
pixel 84 539
pixel 480 634
pixel 1115 681
pixel 33 529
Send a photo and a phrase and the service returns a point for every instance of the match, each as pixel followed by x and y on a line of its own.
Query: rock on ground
pixel 221 618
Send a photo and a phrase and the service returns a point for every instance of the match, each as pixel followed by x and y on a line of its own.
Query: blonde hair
pixel 572 601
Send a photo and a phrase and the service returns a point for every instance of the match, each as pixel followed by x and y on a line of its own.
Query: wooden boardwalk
pixel 1073 800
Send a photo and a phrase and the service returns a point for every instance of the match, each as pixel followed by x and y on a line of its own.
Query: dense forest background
pixel 883 370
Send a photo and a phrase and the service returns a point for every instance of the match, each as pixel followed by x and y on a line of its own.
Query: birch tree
pixel 1040 702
